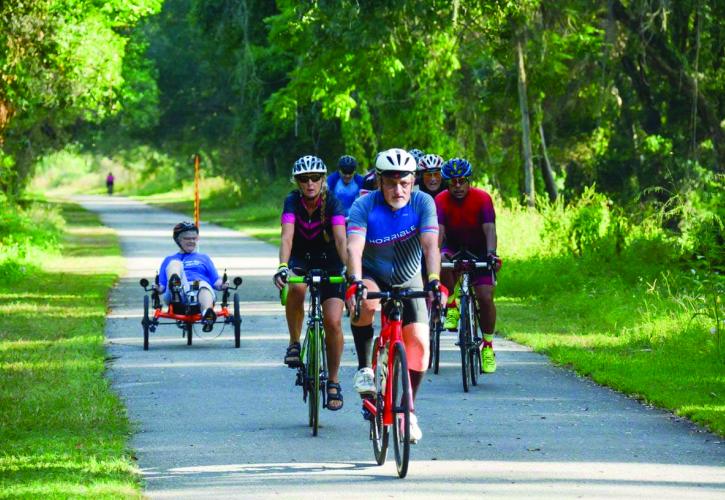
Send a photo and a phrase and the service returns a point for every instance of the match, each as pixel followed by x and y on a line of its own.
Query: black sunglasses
pixel 304 179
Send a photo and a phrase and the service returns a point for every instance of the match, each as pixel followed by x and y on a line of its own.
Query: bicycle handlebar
pixel 398 294
pixel 333 280
pixel 458 264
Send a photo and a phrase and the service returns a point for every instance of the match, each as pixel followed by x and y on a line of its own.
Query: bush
pixel 589 225
pixel 25 235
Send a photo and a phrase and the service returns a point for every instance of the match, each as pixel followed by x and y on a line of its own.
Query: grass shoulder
pixel 64 431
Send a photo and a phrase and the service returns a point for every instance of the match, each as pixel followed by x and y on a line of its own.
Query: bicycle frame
pixel 314 342
pixel 469 342
pixel 312 374
pixel 391 333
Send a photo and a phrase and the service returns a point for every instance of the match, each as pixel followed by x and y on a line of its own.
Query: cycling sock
pixel 415 379
pixel 488 339
pixel 363 337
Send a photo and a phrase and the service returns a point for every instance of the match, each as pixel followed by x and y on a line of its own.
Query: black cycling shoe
pixel 208 320
pixel 175 287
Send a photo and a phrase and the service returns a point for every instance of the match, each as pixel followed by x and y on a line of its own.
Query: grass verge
pixel 63 431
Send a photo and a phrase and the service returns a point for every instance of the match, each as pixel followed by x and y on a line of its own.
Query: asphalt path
pixel 214 421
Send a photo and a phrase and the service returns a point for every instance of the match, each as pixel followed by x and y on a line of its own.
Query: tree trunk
pixel 546 169
pixel 525 129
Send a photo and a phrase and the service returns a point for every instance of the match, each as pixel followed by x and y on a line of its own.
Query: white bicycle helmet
pixel 430 162
pixel 395 160
pixel 309 164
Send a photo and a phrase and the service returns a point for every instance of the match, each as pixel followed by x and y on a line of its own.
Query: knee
pixel 485 297
pixel 205 295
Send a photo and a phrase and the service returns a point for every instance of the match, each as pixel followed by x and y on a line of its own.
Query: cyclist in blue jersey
pixel 187 266
pixel 345 184
pixel 313 236
pixel 389 230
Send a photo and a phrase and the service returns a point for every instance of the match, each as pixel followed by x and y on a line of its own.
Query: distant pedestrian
pixel 109 183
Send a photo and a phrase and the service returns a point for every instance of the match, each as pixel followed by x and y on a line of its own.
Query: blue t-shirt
pixel 392 251
pixel 346 193
pixel 197 266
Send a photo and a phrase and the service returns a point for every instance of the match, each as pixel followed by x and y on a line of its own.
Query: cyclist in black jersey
pixel 313 236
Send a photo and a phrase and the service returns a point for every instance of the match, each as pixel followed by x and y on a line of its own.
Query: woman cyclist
pixel 313 237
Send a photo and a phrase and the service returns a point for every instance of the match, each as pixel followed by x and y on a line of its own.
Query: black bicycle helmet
pixel 347 164
pixel 183 227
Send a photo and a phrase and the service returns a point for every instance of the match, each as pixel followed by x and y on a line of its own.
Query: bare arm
pixel 429 242
pixel 441 235
pixel 285 246
pixel 338 232
pixel 355 247
pixel 489 230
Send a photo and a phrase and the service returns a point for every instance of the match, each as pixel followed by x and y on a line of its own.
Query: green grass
pixel 625 321
pixel 63 431
pixel 256 213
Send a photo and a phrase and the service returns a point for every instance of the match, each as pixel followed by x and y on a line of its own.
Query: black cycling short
pixel 414 310
pixel 328 290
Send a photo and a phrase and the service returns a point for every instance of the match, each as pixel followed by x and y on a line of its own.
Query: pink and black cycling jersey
pixel 392 237
pixel 310 236
pixel 463 220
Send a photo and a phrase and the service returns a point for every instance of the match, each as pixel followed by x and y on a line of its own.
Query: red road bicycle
pixel 393 400
pixel 184 315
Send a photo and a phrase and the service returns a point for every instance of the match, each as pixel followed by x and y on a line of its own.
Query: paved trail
pixel 215 421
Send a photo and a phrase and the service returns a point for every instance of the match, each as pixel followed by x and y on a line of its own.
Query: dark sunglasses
pixel 304 179
pixel 458 181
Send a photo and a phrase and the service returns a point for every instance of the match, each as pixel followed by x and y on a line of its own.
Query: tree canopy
pixel 627 94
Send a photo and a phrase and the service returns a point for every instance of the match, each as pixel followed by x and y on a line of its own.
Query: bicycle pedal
pixel 366 414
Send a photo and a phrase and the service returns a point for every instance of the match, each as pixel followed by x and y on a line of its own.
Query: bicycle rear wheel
pixel 379 433
pixel 401 398
pixel 463 341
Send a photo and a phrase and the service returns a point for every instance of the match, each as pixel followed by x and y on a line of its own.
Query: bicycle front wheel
pixel 474 353
pixel 146 321
pixel 237 321
pixel 401 399
pixel 378 431
pixel 463 342
pixel 313 378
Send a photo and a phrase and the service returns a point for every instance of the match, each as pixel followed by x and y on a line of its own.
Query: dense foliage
pixel 63 63
pixel 624 94
pixel 548 97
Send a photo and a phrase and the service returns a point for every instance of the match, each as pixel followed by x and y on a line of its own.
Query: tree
pixel 61 62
